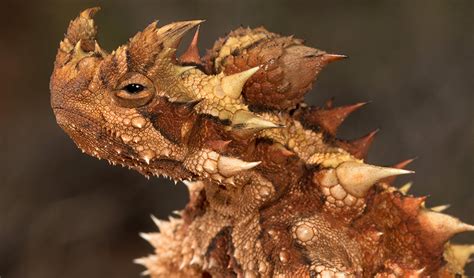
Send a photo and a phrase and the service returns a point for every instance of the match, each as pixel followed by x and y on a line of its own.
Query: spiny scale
pixel 272 191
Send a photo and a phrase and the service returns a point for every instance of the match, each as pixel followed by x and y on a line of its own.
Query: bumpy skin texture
pixel 273 192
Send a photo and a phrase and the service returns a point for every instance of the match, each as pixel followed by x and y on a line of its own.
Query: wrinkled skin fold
pixel 273 191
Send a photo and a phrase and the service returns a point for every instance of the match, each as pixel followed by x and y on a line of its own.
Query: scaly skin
pixel 273 192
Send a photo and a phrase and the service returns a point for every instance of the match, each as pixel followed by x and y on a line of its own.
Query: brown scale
pixel 173 120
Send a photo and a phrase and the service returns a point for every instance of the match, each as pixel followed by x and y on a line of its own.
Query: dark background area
pixel 64 214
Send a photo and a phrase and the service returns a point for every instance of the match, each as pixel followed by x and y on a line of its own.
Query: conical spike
pixel 331 119
pixel 405 188
pixel 229 166
pixel 246 119
pixel 441 227
pixel 180 70
pixel 329 58
pixel 412 205
pixel 232 84
pixel 328 104
pixel 400 165
pixel 357 178
pixel 145 236
pixel 440 208
pixel 196 260
pixel 458 255
pixel 359 147
pixel 141 261
pixel 145 273
pixel 159 223
pixel 219 146
pixel 191 55
pixel 171 34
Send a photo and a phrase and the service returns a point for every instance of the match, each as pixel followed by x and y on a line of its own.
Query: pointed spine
pixel 405 188
pixel 191 55
pixel 359 147
pixel 357 178
pixel 400 165
pixel 330 119
pixel 229 166
pixel 440 227
pixel 172 34
pixel 232 85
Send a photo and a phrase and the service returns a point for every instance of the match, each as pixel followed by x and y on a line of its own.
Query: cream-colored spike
pixel 229 166
pixel 440 208
pixel 163 225
pixel 172 33
pixel 79 53
pixel 180 70
pixel 357 178
pixel 196 260
pixel 145 236
pixel 246 119
pixel 232 85
pixel 443 223
pixel 405 188
pixel 458 256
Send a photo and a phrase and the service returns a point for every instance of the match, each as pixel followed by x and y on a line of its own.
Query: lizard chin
pixel 82 129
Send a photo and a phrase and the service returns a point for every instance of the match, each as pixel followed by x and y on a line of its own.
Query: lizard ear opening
pixel 134 90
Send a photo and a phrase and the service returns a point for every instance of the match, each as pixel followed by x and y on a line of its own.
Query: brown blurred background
pixel 64 214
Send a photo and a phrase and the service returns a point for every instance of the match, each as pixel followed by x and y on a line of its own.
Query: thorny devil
pixel 273 192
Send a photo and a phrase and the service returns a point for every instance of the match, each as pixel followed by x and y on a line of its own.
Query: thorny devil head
pixel 273 192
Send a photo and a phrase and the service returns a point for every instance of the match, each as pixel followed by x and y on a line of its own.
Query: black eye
pixel 133 88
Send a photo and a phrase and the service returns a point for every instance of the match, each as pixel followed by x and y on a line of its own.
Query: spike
pixel 329 58
pixel 247 120
pixel 196 260
pixel 359 147
pixel 412 205
pixel 440 208
pixel 219 146
pixel 357 178
pixel 328 104
pixel 440 227
pixel 331 119
pixel 178 212
pixel 213 263
pixel 172 33
pixel 191 55
pixel 458 255
pixel 145 236
pixel 405 188
pixel 180 70
pixel 145 273
pixel 400 165
pixel 159 223
pixel 99 50
pixel 229 166
pixel 232 85
pixel 141 261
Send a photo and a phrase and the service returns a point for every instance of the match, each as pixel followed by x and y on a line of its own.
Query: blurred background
pixel 64 214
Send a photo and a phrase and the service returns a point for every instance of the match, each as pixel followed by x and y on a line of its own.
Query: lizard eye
pixel 134 90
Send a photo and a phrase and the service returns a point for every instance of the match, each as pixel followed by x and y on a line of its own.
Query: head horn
pixel 80 37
